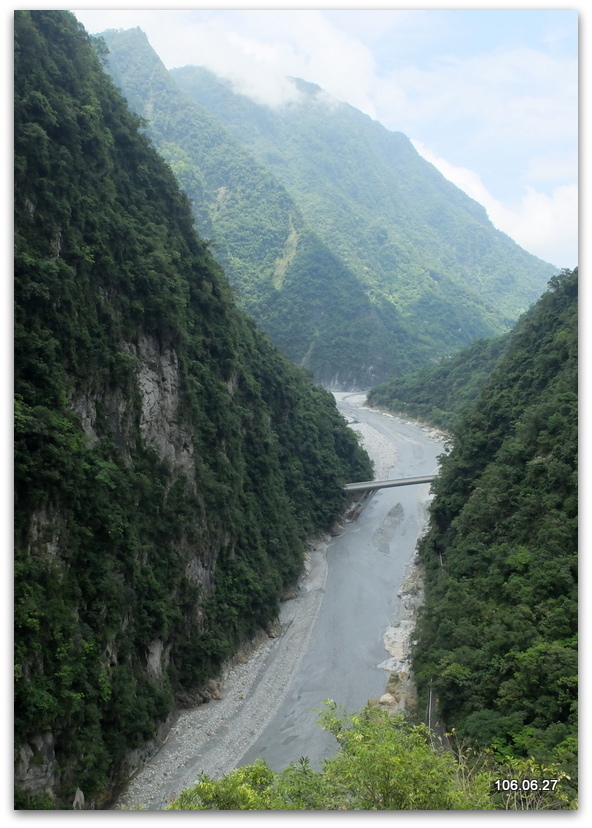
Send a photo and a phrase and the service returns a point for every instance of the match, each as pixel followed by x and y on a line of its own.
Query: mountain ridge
pixel 395 147
pixel 269 254
pixel 383 308
pixel 170 464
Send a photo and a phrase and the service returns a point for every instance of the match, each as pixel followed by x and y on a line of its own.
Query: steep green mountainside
pixel 497 642
pixel 441 393
pixel 285 277
pixel 170 463
pixel 412 237
pixel 399 268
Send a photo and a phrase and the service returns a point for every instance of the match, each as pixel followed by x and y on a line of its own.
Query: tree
pixel 383 763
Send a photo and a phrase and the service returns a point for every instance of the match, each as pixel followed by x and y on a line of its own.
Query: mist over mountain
pixel 172 465
pixel 319 213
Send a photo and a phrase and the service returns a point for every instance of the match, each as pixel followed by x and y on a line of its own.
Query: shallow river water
pixel 331 644
pixel 366 565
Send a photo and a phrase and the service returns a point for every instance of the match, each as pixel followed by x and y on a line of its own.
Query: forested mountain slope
pixel 400 267
pixel 284 276
pixel 169 462
pixel 441 393
pixel 498 639
pixel 408 233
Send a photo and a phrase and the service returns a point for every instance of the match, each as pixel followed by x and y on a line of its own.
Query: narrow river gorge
pixel 343 636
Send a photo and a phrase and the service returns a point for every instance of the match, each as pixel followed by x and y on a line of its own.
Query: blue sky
pixel 488 96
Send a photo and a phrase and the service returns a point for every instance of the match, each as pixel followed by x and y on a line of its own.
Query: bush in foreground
pixel 383 763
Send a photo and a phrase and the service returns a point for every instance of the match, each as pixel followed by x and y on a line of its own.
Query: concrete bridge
pixel 371 485
pixel 363 491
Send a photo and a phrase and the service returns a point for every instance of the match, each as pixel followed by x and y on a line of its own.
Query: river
pixel 366 565
pixel 331 644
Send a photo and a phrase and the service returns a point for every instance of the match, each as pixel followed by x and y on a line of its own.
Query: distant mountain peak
pixel 306 87
pixel 385 265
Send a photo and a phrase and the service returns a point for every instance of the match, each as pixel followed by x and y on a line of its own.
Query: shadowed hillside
pixel 170 464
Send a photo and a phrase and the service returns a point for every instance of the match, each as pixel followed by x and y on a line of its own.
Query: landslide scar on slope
pixel 281 264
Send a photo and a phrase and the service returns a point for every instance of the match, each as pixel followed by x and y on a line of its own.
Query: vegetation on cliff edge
pixel 169 462
pixel 497 640
pixel 383 763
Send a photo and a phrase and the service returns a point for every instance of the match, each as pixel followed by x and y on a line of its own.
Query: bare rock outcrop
pixel 401 693
pixel 36 769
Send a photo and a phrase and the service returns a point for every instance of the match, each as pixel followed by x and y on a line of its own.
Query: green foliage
pixel 284 276
pixel 441 393
pixel 383 763
pixel 515 783
pixel 24 802
pixel 498 636
pixel 356 257
pixel 168 520
pixel 405 231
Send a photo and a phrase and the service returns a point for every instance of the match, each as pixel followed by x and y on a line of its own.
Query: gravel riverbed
pixel 212 738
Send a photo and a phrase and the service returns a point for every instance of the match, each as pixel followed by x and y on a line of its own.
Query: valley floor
pixel 213 738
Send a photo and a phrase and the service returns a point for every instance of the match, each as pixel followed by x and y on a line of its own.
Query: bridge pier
pixel 360 502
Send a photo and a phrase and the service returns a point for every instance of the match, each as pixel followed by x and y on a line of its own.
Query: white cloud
pixel 509 112
pixel 544 224
pixel 519 95
pixel 552 168
pixel 301 44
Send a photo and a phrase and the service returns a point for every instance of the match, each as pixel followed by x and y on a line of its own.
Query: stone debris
pixel 401 693
pixel 212 738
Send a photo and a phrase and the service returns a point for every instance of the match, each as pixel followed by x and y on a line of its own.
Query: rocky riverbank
pixel 401 692
pixel 212 738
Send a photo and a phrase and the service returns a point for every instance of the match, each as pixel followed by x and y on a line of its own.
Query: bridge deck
pixel 369 485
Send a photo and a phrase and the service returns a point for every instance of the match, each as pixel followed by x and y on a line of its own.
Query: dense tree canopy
pixel 412 238
pixel 441 393
pixel 498 636
pixel 383 763
pixel 284 276
pixel 353 253
pixel 169 462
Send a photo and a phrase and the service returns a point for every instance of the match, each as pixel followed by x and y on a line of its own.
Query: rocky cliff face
pixel 157 388
pixel 159 383
pixel 169 462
